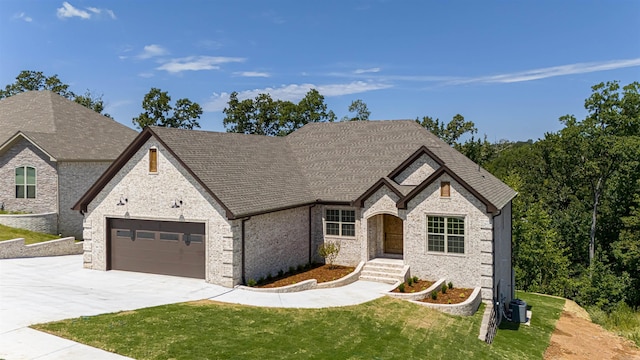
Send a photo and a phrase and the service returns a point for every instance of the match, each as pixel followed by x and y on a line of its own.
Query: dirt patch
pixel 575 337
pixel 452 296
pixel 322 273
pixel 578 311
pixel 415 286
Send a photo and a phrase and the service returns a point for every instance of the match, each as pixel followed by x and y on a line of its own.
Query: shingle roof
pixel 325 162
pixel 64 129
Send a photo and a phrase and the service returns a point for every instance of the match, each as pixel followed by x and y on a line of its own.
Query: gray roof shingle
pixel 333 162
pixel 66 130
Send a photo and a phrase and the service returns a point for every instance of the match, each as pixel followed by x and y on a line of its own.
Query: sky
pixel 511 67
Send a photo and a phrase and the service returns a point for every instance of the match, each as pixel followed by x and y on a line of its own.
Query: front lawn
pixel 385 328
pixel 30 237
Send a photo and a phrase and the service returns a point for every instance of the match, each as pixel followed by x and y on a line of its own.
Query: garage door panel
pixel 170 248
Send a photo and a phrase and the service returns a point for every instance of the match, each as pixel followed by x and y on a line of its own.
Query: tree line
pixel 576 219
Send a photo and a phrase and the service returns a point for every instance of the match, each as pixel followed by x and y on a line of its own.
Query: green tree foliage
pixel 159 112
pixel 360 109
pixel 265 116
pixel 29 80
pixel 450 132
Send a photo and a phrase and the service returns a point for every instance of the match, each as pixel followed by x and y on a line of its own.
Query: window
pixel 445 234
pixel 153 160
pixel 340 222
pixel 445 189
pixel 25 182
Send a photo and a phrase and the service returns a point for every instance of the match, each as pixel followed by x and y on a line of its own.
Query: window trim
pixel 25 183
pixel 340 222
pixel 446 234
pixel 153 160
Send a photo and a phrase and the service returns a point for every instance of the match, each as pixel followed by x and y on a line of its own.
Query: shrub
pixel 261 280
pixel 434 295
pixel 462 295
pixel 450 284
pixel 329 252
pixel 410 281
pixel 300 268
pixel 443 289
pixel 415 279
pixel 280 273
pixel 401 288
pixel 269 277
pixel 251 283
pixel 292 270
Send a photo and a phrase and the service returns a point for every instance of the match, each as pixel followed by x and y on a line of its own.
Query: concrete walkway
pixel 39 290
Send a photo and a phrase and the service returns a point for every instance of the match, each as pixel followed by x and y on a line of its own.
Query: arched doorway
pixel 385 236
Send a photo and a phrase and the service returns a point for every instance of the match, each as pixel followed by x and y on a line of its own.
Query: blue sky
pixel 512 67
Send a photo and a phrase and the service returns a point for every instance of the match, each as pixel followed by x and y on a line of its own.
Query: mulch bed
pixel 322 273
pixel 451 297
pixel 415 287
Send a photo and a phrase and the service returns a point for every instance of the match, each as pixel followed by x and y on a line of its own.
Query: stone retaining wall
pixel 418 295
pixel 44 223
pixel 17 249
pixel 467 308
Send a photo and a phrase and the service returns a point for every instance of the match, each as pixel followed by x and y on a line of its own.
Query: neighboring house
pixel 233 207
pixel 51 151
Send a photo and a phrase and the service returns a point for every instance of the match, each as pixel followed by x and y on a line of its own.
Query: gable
pixel 418 171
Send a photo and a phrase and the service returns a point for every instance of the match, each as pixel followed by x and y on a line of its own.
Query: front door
pixel 393 238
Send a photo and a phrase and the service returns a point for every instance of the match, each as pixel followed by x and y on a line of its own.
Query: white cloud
pixel 67 10
pixel 146 75
pixel 23 16
pixel 152 50
pixel 543 73
pixel 196 63
pixel 252 74
pixel 294 92
pixel 365 71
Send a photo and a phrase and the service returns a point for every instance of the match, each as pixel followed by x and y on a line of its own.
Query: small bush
pixel 329 252
pixel 401 288
pixel 449 301
pixel 443 289
pixel 269 277
pixel 410 281
pixel 261 280
pixel 450 284
pixel 462 295
pixel 415 279
pixel 280 273
pixel 292 270
pixel 251 283
pixel 300 268
pixel 434 295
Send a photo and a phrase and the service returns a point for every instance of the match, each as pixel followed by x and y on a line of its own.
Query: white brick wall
pixel 276 241
pixel 23 153
pixel 418 171
pixel 75 178
pixel 150 197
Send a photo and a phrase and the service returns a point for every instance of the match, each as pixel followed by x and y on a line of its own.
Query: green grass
pixel 623 320
pixel 5 212
pixel 385 328
pixel 30 237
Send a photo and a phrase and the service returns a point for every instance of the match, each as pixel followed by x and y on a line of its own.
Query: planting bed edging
pixel 17 249
pixel 466 308
pixel 417 295
pixel 310 284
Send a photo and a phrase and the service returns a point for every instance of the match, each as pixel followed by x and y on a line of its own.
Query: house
pixel 51 151
pixel 231 207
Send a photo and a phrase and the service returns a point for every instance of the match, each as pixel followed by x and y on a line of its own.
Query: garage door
pixel 158 247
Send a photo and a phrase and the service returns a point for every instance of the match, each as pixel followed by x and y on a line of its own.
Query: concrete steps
pixel 383 270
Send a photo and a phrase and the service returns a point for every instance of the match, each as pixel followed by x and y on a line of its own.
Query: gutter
pixel 310 234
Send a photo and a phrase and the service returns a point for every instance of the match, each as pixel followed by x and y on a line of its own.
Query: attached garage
pixel 158 247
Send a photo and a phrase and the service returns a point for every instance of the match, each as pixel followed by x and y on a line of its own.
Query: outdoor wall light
pixel 123 201
pixel 176 204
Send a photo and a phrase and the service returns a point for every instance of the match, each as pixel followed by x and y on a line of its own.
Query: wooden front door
pixel 393 234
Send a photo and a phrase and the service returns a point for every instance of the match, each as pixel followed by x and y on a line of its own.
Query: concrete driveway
pixel 39 290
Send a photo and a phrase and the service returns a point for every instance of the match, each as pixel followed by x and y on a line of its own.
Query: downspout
pixel 310 234
pixel 244 280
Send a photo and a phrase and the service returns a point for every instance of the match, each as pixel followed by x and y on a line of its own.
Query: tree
pixel 29 80
pixel 450 132
pixel 360 109
pixel 159 112
pixel 329 251
pixel 265 116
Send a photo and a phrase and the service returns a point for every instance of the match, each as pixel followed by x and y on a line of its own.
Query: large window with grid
pixel 445 234
pixel 340 222
pixel 25 182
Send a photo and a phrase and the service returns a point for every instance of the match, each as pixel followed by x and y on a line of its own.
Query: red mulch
pixel 321 273
pixel 451 297
pixel 415 287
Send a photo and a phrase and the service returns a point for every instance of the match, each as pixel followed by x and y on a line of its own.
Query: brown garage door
pixel 158 247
